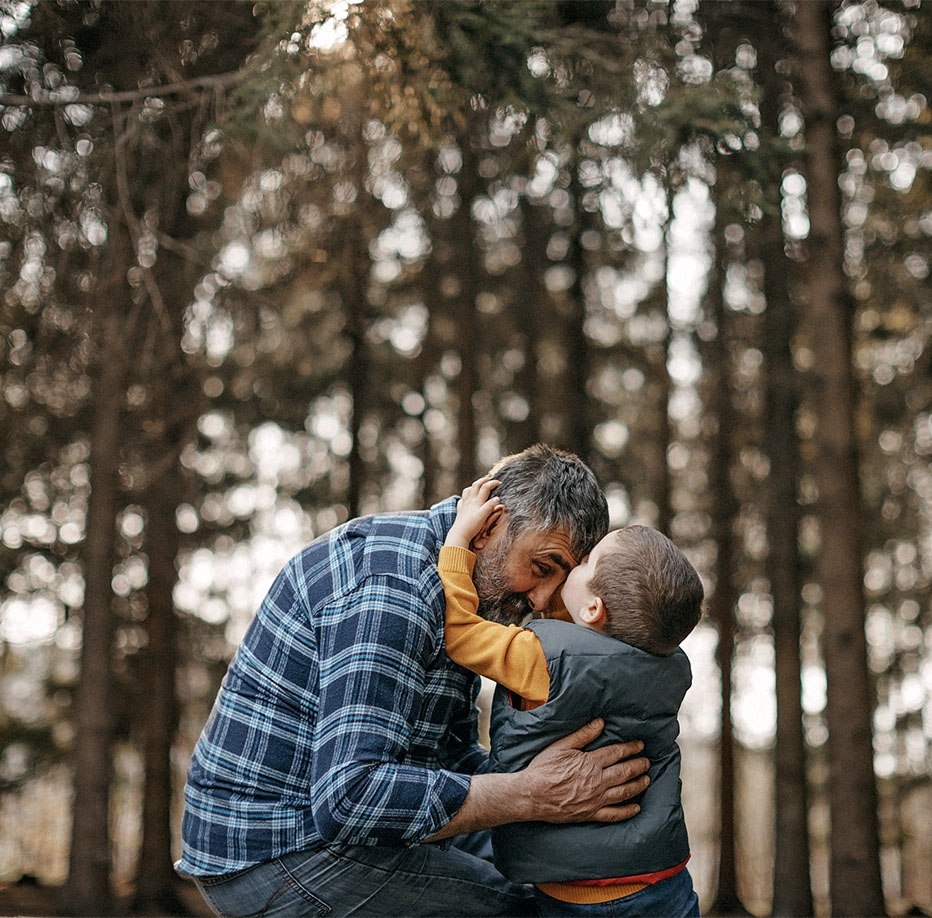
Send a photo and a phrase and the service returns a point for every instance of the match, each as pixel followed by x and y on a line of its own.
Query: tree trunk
pixel 529 306
pixel 792 893
pixel 792 890
pixel 88 887
pixel 427 362
pixel 577 411
pixel 856 887
pixel 431 352
pixel 353 282
pixel 664 431
pixel 466 317
pixel 724 598
pixel 155 877
pixel 354 301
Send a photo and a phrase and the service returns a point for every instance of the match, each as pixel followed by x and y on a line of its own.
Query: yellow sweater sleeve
pixel 506 654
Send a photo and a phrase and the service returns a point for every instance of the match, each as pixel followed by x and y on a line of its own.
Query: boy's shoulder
pixel 560 638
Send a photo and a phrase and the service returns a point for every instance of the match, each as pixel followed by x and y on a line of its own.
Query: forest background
pixel 268 266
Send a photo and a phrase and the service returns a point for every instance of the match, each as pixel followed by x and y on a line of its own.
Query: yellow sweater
pixel 514 658
pixel 506 654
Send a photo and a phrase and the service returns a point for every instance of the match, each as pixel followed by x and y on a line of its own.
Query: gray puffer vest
pixel 638 694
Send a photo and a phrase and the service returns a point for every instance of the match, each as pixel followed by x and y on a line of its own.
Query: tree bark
pixel 724 598
pixel 354 269
pixel 530 305
pixel 432 351
pixel 792 893
pixel 792 890
pixel 577 409
pixel 664 429
pixel 354 294
pixel 467 318
pixel 88 886
pixel 856 887
pixel 155 877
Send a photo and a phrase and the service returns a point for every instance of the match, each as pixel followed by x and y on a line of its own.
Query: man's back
pixel 338 699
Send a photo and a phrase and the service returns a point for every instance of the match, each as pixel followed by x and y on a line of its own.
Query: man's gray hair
pixel 545 488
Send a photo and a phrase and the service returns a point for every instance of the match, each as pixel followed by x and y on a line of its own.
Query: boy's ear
pixel 481 538
pixel 593 613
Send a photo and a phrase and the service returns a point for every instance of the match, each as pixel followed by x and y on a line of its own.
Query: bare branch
pixel 215 81
pixel 152 287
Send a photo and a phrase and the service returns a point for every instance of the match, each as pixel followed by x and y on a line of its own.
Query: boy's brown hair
pixel 652 594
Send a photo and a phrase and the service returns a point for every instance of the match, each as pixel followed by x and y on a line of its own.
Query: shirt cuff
pixel 456 560
pixel 446 799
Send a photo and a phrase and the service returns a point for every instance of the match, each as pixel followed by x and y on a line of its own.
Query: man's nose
pixel 539 598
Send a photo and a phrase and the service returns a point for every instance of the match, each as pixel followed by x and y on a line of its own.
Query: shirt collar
pixel 442 515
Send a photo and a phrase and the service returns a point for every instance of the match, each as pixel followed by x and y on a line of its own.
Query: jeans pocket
pixel 214 894
pixel 320 907
pixel 266 890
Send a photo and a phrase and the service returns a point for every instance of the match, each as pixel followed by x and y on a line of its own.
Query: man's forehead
pixel 552 545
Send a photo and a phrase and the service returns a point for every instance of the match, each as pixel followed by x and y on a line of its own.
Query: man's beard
pixel 496 602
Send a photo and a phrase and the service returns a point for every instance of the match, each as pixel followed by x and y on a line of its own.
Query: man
pixel 342 743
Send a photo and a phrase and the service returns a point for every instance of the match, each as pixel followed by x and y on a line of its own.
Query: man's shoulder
pixel 394 544
pixel 402 545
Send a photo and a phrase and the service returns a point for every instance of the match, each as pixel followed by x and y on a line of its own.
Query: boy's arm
pixel 506 654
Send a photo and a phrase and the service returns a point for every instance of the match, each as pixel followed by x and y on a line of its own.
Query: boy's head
pixel 638 587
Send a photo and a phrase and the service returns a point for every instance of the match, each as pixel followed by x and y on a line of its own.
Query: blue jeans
pixel 358 880
pixel 670 898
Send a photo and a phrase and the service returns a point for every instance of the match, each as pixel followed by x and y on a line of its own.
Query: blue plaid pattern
pixel 340 719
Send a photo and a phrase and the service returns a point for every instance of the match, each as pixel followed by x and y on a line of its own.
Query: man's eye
pixel 541 569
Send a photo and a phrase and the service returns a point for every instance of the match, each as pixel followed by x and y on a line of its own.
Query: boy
pixel 636 597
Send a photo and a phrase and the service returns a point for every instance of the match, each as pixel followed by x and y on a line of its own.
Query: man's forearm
pixel 492 800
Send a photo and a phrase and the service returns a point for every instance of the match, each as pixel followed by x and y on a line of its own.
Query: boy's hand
pixel 476 508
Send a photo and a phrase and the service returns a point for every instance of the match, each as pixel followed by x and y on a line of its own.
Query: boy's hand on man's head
pixel 477 509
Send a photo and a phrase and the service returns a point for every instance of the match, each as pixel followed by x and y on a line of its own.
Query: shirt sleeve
pixel 374 648
pixel 507 654
pixel 463 754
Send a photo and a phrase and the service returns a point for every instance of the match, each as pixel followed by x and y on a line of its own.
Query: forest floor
pixel 29 899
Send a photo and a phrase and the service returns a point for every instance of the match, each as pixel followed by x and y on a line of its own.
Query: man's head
pixel 638 587
pixel 554 513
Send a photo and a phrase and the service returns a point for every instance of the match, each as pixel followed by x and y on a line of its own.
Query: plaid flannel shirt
pixel 340 719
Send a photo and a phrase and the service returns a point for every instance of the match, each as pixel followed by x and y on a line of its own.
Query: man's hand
pixel 562 784
pixel 570 785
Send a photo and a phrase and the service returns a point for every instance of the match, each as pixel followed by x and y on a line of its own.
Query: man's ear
pixel 481 538
pixel 593 613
